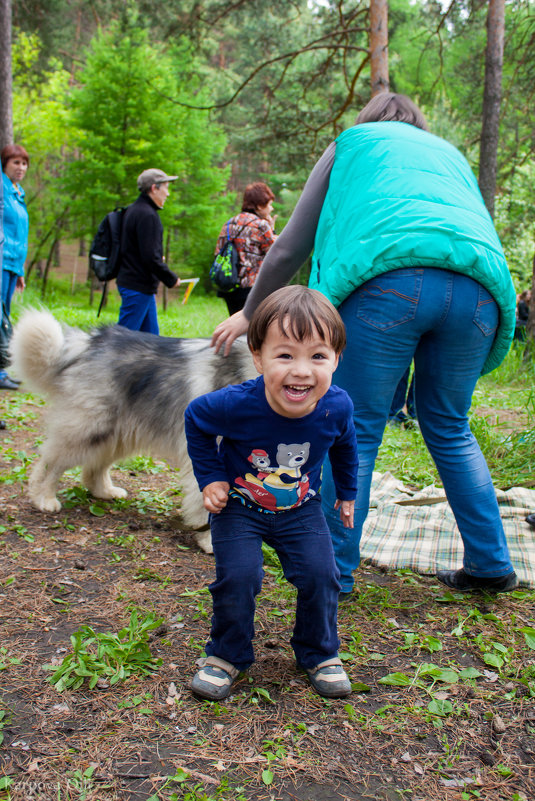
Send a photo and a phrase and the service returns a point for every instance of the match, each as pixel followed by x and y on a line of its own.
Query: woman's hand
pixel 21 283
pixel 227 331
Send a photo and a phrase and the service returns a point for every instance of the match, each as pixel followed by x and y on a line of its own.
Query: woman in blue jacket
pixel 2 422
pixel 405 248
pixel 15 161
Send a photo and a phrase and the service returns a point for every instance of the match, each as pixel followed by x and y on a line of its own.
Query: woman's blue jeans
pixel 446 321
pixel 302 541
pixel 8 285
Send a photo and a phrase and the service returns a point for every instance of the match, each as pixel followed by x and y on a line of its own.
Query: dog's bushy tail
pixel 40 347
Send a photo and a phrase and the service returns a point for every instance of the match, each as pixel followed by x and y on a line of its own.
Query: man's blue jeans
pixel 138 311
pixel 302 541
pixel 447 322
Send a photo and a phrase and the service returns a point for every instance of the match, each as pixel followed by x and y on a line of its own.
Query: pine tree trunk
pixel 492 97
pixel 6 103
pixel 379 46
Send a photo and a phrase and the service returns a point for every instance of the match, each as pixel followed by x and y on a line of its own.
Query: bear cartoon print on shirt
pixel 281 487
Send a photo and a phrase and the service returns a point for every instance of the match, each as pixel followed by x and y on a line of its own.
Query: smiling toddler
pixel 257 450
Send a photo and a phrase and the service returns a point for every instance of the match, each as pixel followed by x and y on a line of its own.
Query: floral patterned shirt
pixel 253 237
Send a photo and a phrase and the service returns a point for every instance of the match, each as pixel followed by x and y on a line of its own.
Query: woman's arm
pixel 290 250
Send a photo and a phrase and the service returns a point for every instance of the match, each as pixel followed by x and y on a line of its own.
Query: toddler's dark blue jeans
pixel 302 541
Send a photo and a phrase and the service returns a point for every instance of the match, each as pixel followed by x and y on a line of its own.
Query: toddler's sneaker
pixel 329 679
pixel 215 679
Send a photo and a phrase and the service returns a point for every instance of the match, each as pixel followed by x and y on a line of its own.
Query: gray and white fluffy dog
pixel 113 393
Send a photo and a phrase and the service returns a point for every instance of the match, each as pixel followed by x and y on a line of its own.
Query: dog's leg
pixel 43 483
pixel 98 481
pixel 204 541
pixel 193 512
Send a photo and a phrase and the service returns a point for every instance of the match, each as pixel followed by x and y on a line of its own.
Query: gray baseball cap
pixel 152 176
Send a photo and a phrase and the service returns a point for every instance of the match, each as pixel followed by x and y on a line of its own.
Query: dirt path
pixel 93 563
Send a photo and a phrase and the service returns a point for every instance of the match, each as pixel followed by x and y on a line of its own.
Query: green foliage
pixel 123 125
pixel 529 635
pixel 4 719
pixel 129 115
pixel 108 656
pixel 197 318
pixel 19 463
pixel 6 661
pixel 508 447
pixel 190 792
pixel 83 784
pixel 41 125
pixel 161 82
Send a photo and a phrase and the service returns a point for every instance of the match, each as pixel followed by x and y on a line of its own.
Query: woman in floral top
pixel 252 233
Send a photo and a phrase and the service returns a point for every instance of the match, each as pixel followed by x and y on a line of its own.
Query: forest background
pixel 224 92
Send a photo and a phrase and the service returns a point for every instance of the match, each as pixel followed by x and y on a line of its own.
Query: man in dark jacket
pixel 142 265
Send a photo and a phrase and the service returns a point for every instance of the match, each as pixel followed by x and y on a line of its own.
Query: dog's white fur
pixel 113 393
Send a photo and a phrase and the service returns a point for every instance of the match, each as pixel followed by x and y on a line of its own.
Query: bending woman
pixel 405 248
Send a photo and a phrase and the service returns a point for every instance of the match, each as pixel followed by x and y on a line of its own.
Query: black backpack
pixel 105 251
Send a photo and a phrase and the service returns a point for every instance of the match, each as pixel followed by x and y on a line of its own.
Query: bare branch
pixel 285 56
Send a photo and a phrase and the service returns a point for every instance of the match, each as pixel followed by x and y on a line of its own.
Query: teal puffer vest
pixel 401 197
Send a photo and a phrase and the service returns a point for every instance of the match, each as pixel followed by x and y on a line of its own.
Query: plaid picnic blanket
pixel 417 530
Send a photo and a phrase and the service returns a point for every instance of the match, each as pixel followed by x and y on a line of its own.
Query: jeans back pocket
pixel 486 315
pixel 390 299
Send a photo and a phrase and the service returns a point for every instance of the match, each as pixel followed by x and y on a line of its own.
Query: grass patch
pixel 70 305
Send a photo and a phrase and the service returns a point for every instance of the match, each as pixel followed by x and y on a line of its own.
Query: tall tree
pixel 492 97
pixel 125 119
pixel 6 96
pixel 379 46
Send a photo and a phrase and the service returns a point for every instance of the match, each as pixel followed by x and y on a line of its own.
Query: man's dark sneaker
pixel 2 424
pixel 346 596
pixel 463 582
pixel 530 520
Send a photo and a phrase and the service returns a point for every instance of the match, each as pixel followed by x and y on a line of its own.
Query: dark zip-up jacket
pixel 142 265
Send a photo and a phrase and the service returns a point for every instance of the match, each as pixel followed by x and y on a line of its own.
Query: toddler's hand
pixel 347 510
pixel 215 496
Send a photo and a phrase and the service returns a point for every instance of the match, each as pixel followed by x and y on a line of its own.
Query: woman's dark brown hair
pixel 255 196
pixel 389 107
